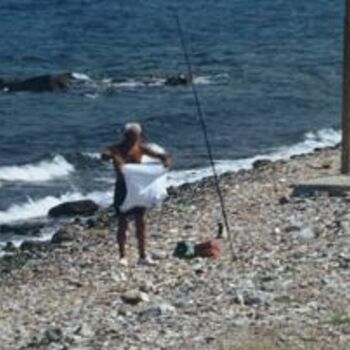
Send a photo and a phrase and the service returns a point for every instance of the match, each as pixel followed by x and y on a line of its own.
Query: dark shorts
pixel 119 197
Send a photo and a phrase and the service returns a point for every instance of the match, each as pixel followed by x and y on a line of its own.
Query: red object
pixel 208 249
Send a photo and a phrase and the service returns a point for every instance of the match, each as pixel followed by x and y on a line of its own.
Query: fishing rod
pixel 204 130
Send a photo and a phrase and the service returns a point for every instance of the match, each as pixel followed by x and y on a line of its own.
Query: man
pixel 131 150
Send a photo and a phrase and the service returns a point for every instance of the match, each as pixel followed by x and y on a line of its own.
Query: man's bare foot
pixel 146 262
pixel 123 262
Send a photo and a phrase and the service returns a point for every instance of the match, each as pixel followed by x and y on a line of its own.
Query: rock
pixel 158 309
pixel 260 163
pixel 82 208
pixel 292 228
pixel 63 235
pixel 253 300
pixel 134 297
pixel 33 245
pixel 84 330
pixel 42 83
pixel 10 248
pixel 26 228
pixel 283 200
pixel 248 299
pixel 159 255
pixel 146 286
pixel 180 79
pixel 307 233
pixel 51 335
pixel 166 308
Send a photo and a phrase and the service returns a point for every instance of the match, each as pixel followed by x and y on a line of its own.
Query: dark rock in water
pixel 82 208
pixel 179 79
pixel 42 83
pixel 62 235
pixel 27 228
pixel 261 163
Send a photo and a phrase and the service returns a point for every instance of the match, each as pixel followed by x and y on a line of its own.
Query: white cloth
pixel 145 183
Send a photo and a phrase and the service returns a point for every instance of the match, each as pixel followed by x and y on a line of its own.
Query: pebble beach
pixel 285 285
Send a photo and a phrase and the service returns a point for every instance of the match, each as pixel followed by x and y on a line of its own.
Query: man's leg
pixel 141 231
pixel 121 234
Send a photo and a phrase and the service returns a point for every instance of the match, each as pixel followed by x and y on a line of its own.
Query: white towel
pixel 146 184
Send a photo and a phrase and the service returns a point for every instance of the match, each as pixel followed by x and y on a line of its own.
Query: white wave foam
pixel 202 80
pixel 33 209
pixel 108 83
pixel 129 84
pixel 92 155
pixel 81 76
pixel 319 139
pixel 39 208
pixel 43 171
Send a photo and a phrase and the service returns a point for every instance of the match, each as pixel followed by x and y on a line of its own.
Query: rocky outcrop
pixel 42 83
pixel 179 79
pixel 76 208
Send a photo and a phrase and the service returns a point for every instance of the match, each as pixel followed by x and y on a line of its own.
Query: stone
pixel 10 248
pixel 32 245
pixel 84 207
pixel 283 200
pixel 160 308
pixel 42 83
pixel 62 235
pixel 146 286
pixel 134 297
pixel 306 233
pixel 53 334
pixel 25 228
pixel 260 163
pixel 180 79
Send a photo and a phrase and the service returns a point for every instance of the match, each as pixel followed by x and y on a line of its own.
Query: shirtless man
pixel 131 150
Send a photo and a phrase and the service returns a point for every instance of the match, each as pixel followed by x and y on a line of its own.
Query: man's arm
pixel 106 154
pixel 162 156
pixel 112 153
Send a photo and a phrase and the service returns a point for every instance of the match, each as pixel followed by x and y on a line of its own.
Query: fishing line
pixel 204 130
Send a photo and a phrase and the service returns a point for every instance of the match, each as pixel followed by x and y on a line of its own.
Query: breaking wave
pixel 320 139
pixel 33 209
pixel 38 208
pixel 45 170
pixel 106 84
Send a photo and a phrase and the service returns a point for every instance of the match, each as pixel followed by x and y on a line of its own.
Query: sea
pixel 268 76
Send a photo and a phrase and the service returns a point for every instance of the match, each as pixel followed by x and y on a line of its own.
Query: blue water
pixel 269 73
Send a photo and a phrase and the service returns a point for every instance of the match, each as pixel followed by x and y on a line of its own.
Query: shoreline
pixel 287 285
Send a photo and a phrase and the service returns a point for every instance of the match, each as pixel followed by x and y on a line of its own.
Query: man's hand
pixel 167 161
pixel 105 156
pixel 162 156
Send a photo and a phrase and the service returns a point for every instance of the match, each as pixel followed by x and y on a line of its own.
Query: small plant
pixel 340 319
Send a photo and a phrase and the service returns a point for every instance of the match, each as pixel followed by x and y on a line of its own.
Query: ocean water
pixel 268 74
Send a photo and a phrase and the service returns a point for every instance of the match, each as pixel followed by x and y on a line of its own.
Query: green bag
pixel 184 250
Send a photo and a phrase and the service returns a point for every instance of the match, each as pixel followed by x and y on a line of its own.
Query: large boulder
pixel 42 83
pixel 77 208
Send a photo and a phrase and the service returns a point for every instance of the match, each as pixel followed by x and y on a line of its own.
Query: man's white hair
pixel 135 127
